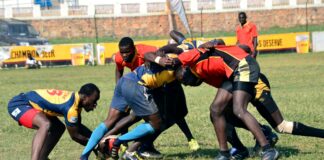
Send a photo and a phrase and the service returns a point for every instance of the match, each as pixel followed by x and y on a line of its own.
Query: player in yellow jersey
pixel 38 109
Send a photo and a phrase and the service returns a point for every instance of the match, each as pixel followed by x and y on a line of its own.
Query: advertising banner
pixel 270 42
pixel 280 41
pixel 75 54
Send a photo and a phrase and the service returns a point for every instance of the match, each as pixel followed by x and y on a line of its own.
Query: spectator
pixel 246 34
pixel 32 63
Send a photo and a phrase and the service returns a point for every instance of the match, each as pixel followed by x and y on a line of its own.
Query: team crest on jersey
pixel 15 112
pixel 73 119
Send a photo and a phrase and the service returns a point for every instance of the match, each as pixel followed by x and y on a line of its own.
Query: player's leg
pixel 122 127
pixel 55 133
pixel 270 111
pixel 152 124
pixel 222 98
pixel 143 105
pixel 231 122
pixel 147 149
pixel 100 131
pixel 177 110
pixel 21 111
pixel 238 151
pixel 193 144
pixel 124 122
pixel 183 125
pixel 42 124
pixel 144 146
pixel 245 77
pixel 240 103
pixel 118 106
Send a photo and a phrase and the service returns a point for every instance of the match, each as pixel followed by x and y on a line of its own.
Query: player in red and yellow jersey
pixel 234 64
pixel 247 34
pixel 38 109
pixel 130 55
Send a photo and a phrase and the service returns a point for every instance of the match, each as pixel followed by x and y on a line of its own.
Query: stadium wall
pixel 157 25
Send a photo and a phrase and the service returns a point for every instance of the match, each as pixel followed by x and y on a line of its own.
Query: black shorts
pixel 248 70
pixel 171 101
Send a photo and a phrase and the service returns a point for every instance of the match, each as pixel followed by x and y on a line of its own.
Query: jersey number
pixel 54 92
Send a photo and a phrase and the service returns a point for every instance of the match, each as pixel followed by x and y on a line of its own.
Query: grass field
pixel 297 84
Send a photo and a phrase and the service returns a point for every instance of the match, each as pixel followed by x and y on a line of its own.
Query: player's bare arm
pixel 118 74
pixel 76 135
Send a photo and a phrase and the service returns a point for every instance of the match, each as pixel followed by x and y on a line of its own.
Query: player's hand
pixel 166 61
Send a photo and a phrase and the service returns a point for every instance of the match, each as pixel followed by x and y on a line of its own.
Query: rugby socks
pixel 185 128
pixel 303 130
pixel 96 135
pixel 138 132
pixel 266 147
pixel 233 139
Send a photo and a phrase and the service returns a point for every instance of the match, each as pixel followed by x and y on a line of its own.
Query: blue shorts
pixel 129 93
pixel 21 111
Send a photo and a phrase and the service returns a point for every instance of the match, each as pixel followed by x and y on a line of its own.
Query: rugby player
pixel 38 109
pixel 215 66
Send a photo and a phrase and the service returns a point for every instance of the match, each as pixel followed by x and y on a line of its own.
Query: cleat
pixel 131 156
pixel 114 152
pixel 193 145
pixel 271 137
pixel 122 149
pixel 269 154
pixel 223 157
pixel 239 154
pixel 150 153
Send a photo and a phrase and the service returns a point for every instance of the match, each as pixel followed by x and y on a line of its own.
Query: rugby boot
pixel 239 154
pixel 131 156
pixel 193 145
pixel 269 154
pixel 150 153
pixel 270 136
pixel 223 157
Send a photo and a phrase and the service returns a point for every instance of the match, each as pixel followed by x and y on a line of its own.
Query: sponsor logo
pixel 15 112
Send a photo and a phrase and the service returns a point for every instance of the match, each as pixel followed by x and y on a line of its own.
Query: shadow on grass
pixel 287 151
pixel 209 153
pixel 201 153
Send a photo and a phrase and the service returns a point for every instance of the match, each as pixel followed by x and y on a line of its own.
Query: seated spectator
pixel 32 63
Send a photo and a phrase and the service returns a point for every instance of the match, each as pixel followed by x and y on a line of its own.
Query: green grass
pixel 272 30
pixel 297 82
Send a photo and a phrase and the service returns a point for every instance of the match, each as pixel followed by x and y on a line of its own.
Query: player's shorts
pixel 246 75
pixel 129 93
pixel 21 111
pixel 248 70
pixel 171 101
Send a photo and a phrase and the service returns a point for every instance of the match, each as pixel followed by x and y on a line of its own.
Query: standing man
pixel 247 34
pixel 39 109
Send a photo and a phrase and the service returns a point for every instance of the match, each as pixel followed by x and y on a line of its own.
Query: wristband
pixel 157 59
